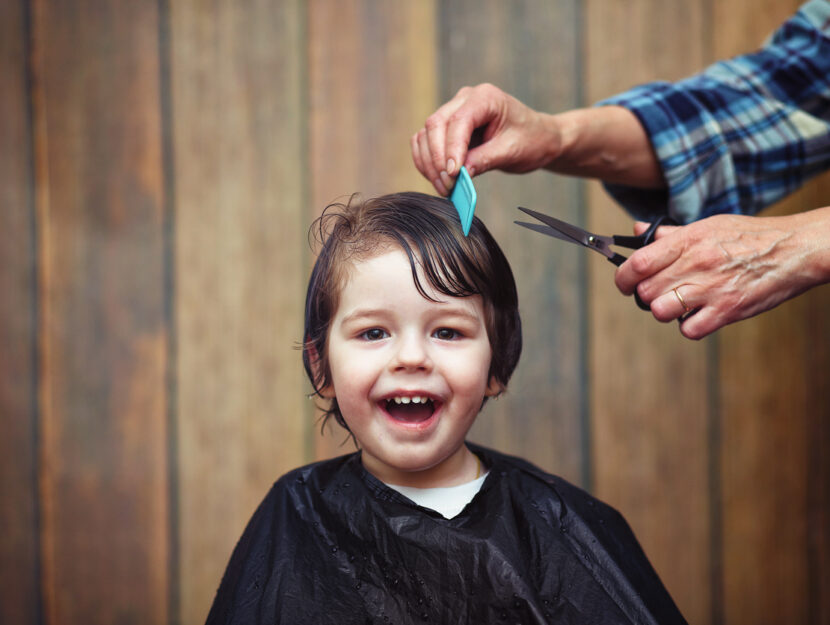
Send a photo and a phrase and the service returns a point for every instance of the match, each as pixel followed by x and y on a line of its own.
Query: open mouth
pixel 410 409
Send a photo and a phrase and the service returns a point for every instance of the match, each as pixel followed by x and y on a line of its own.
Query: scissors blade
pixel 596 242
pixel 547 230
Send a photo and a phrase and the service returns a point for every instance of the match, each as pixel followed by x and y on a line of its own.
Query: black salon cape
pixel 331 544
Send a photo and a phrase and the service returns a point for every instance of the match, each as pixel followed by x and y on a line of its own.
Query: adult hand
pixel 514 137
pixel 485 128
pixel 728 267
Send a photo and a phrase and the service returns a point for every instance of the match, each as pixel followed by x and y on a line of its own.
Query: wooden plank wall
pixel 102 332
pixel 650 406
pixel 19 520
pixel 84 421
pixel 159 166
pixel 236 120
pixel 774 414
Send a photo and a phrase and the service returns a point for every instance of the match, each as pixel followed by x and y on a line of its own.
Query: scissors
pixel 562 230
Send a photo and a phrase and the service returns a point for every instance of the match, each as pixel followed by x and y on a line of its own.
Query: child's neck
pixel 460 468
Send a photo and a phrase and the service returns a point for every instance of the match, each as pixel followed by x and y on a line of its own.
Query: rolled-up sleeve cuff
pixel 690 149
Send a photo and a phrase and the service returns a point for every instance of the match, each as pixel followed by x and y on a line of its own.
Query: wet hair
pixel 428 230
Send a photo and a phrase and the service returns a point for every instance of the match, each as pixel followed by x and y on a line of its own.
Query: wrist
pixel 569 128
pixel 606 142
pixel 813 228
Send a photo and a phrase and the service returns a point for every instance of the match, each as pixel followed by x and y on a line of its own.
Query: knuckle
pixel 622 280
pixel 645 290
pixel 433 121
pixel 661 312
pixel 487 88
pixel 640 261
pixel 456 116
pixel 691 331
pixel 701 324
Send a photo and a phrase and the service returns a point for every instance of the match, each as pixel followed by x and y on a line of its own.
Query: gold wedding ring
pixel 681 300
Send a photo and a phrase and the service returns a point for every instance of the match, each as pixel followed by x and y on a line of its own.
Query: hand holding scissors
pixel 567 232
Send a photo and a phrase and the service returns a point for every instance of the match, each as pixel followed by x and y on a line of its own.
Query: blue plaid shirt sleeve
pixel 743 133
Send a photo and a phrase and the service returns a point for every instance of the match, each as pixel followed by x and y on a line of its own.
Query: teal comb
pixel 463 197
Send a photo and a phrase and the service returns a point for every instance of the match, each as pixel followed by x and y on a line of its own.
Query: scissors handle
pixel 636 242
pixel 641 240
pixel 617 259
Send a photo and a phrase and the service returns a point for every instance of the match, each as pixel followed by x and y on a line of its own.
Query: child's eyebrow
pixel 362 313
pixel 374 313
pixel 458 312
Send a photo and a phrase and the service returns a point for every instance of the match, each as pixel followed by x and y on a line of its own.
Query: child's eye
pixel 374 334
pixel 446 334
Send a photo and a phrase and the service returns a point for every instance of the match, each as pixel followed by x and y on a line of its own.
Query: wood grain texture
pixel 816 366
pixel 102 337
pixel 19 573
pixel 238 130
pixel 276 109
pixel 770 458
pixel 530 49
pixel 371 85
pixel 764 461
pixel 769 432
pixel 649 395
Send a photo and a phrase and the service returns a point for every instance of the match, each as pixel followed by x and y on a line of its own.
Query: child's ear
pixel 326 392
pixel 494 387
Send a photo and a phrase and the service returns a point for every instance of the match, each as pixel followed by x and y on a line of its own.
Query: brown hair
pixel 427 228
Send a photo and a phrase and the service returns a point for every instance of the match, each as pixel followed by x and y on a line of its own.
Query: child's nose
pixel 411 354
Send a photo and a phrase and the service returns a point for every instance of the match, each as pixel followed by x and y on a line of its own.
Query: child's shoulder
pixel 537 485
pixel 299 490
pixel 316 475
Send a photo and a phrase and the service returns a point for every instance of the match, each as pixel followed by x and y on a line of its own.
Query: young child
pixel 410 328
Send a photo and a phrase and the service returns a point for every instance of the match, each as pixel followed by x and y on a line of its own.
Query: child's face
pixel 388 343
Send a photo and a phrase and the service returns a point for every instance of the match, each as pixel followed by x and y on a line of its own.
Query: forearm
pixel 608 143
pixel 744 132
pixel 812 232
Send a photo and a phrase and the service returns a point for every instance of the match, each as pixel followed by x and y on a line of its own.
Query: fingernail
pixel 439 186
pixel 472 171
pixel 451 166
pixel 445 178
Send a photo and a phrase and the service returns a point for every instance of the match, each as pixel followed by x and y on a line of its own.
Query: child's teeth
pixel 418 399
pixel 407 400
